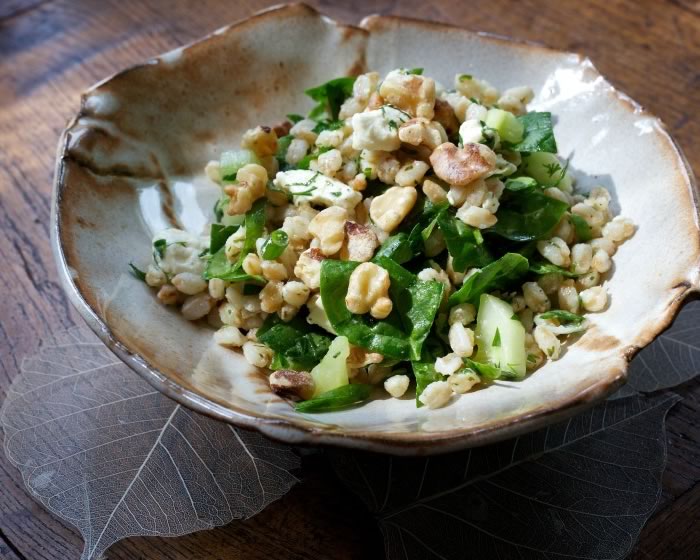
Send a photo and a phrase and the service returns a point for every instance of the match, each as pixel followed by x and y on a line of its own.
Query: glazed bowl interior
pixel 131 163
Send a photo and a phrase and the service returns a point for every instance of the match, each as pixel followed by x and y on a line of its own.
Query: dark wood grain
pixel 50 50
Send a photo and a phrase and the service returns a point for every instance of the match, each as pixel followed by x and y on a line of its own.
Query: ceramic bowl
pixel 131 163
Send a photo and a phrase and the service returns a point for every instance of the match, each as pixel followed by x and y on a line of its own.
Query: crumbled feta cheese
pixel 378 129
pixel 181 252
pixel 317 315
pixel 314 187
pixel 471 132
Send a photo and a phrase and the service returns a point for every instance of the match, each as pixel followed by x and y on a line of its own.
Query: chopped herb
pixel 531 358
pixel 393 125
pixel 159 246
pixel 137 272
pixel 294 117
pixel 552 168
pixel 563 317
pixel 496 343
pixel 416 71
pixel 368 172
pixel 335 193
pixel 465 78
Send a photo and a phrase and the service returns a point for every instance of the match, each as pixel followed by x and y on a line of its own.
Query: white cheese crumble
pixel 471 132
pixel 181 252
pixel 314 187
pixel 378 129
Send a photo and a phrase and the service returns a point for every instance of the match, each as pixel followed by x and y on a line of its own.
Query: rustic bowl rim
pixel 288 431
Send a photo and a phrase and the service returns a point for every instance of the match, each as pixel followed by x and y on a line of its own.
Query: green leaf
pixel 399 336
pixel 527 215
pixel 305 162
pixel 564 317
pixel 416 302
pixel 490 371
pixel 218 236
pixel 159 246
pixel 542 268
pixel 385 337
pixel 335 399
pixel 295 118
pixel 330 96
pixel 538 135
pixel 521 184
pixel 583 230
pixel 137 272
pixel 416 71
pixel 325 124
pixel 464 243
pixel 396 248
pixel 220 267
pixel 296 344
pixel 425 374
pixel 498 275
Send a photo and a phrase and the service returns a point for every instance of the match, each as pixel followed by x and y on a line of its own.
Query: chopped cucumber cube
pixel 332 370
pixel 508 126
pixel 500 336
pixel 548 170
pixel 232 161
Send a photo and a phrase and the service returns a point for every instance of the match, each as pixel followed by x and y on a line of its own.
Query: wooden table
pixel 50 50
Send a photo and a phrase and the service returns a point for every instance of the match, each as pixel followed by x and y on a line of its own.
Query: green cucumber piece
pixel 332 370
pixel 500 336
pixel 547 170
pixel 232 161
pixel 509 128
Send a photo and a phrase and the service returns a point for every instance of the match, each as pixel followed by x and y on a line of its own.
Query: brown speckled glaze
pixel 131 162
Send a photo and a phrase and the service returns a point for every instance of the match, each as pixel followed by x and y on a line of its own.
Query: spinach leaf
pixel 527 215
pixel 384 336
pixel 294 117
pixel 218 236
pixel 330 96
pixel 538 135
pixel 420 222
pixel 564 317
pixel 220 267
pixel 295 346
pixel 549 268
pixel 325 124
pixel 305 162
pixel 583 230
pixel 335 399
pixel 396 248
pixel 415 301
pixel 464 243
pixel 495 276
pixel 220 207
pixel 425 374
pixel 137 272
pixel 521 184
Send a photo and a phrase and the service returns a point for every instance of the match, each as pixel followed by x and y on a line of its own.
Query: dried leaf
pixel 103 450
pixel 673 358
pixel 579 489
